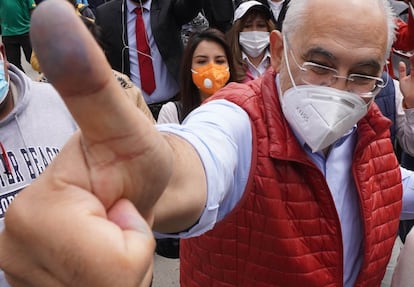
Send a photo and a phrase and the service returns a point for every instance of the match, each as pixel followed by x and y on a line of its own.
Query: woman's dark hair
pixel 189 94
pixel 95 30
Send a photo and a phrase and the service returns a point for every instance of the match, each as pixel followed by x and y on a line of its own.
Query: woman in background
pixel 205 68
pixel 248 39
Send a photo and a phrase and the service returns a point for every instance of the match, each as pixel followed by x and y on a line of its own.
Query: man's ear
pixel 276 49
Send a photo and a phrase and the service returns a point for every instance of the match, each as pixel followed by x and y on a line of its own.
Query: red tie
pixel 144 55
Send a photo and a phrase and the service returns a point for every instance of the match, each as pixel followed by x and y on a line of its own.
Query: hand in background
pixel 407 84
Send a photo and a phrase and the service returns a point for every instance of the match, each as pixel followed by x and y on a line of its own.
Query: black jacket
pixel 167 17
pixel 219 13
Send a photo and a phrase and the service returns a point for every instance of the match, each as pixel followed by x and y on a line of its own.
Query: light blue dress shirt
pixel 220 131
pixel 166 85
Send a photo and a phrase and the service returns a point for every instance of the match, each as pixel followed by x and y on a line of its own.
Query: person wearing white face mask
pixel 249 40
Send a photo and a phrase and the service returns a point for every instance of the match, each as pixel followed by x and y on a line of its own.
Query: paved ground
pixel 166 272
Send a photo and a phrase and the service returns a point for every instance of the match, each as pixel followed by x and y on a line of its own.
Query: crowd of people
pixel 263 142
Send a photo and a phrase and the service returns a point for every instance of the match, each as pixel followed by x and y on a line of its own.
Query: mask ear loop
pixel 387 79
pixel 285 44
pixel 370 96
pixel 3 65
pixel 285 53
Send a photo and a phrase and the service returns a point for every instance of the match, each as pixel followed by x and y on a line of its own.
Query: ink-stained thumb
pixel 76 66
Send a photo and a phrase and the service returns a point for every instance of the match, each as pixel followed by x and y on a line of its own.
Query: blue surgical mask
pixel 4 83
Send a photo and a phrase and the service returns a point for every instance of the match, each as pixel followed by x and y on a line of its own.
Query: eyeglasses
pixel 316 74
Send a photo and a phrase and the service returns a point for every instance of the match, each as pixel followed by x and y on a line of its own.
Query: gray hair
pixel 298 9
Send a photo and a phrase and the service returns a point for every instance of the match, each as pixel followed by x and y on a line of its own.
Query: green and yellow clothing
pixel 15 16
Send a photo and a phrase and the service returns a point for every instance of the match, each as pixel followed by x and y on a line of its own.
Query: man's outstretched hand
pixel 77 224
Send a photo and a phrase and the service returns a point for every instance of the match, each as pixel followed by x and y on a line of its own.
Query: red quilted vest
pixel 285 230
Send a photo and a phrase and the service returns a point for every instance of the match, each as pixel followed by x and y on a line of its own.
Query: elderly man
pixel 290 180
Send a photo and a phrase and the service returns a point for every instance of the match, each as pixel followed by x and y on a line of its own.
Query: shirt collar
pixel 266 57
pixel 132 5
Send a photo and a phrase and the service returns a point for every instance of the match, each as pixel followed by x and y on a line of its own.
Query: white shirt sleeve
pixel 220 131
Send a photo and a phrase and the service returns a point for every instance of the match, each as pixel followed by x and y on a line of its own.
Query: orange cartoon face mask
pixel 210 78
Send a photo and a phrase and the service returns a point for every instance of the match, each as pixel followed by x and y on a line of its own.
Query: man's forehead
pixel 339 51
pixel 357 32
pixel 357 13
pixel 361 58
pixel 339 7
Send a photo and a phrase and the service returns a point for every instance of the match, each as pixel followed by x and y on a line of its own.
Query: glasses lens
pixel 319 75
pixel 316 74
pixel 364 84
